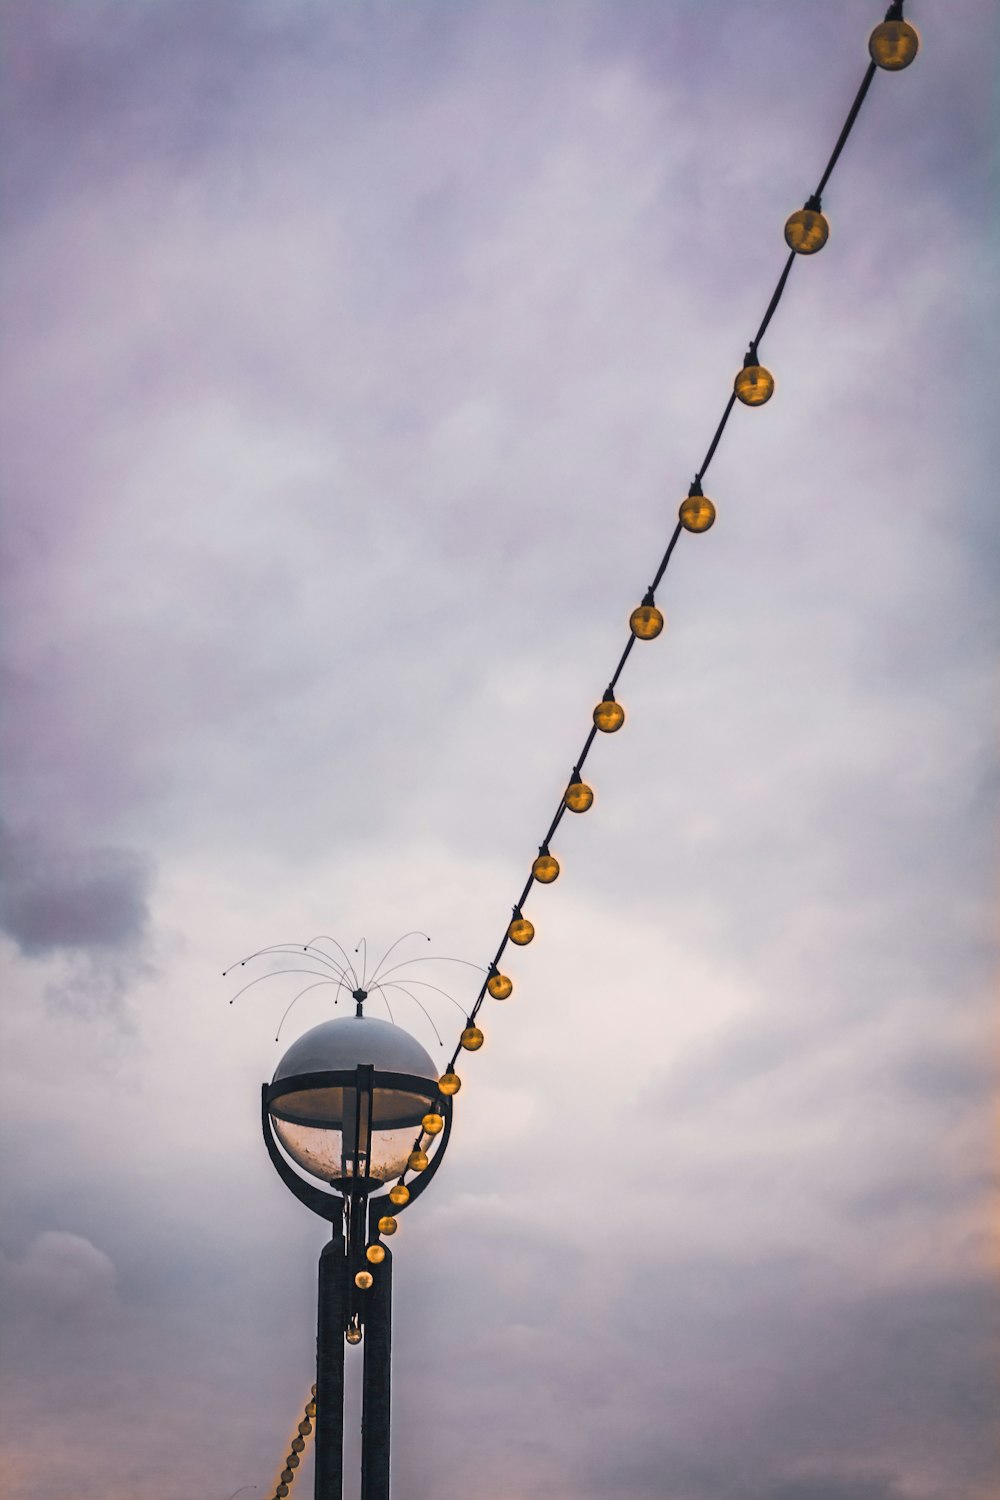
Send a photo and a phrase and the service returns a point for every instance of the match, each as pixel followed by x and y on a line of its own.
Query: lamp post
pixel 344 1105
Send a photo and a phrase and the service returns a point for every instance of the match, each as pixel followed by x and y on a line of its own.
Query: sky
pixel 357 356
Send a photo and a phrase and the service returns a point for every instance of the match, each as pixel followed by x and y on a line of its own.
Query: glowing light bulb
pixel 363 1280
pixel 433 1123
pixel 893 45
pixel 472 1040
pixel 499 986
pixel 311 1409
pixel 353 1335
pixel 292 1461
pixel 807 230
pixel 375 1254
pixel 282 1490
pixel 520 931
pixel 646 621
pixel 287 1475
pixel 399 1194
pixel 545 869
pixel 578 796
pixel 387 1224
pixel 753 385
pixel 417 1161
pixel 448 1084
pixel 297 1445
pixel 305 1428
pixel 609 716
pixel 697 513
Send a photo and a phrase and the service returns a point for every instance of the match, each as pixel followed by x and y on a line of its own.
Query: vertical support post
pixel 331 1322
pixel 376 1401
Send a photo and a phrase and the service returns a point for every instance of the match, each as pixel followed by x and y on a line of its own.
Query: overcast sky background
pixel 357 357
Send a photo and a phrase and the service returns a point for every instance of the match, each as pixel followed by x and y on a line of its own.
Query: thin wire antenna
pixel 433 958
pixel 426 985
pixel 290 950
pixel 394 984
pixel 415 933
pixel 298 997
pixel 325 938
pixel 385 1002
pixel 273 975
pixel 362 943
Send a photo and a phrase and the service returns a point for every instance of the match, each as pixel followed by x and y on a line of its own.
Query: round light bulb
pixel 305 1428
pixel 353 1335
pixel 579 796
pixel 297 1445
pixel 754 385
pixel 609 716
pixel 399 1194
pixel 472 1040
pixel 645 622
pixel 893 45
pixel 287 1475
pixel 417 1161
pixel 448 1084
pixel 375 1254
pixel 545 869
pixel 292 1461
pixel 806 231
pixel 282 1490
pixel 312 1390
pixel 521 931
pixel 387 1224
pixel 363 1281
pixel 499 986
pixel 433 1123
pixel 697 513
pixel 311 1409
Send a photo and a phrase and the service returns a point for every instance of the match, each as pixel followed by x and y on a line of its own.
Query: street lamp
pixel 355 1103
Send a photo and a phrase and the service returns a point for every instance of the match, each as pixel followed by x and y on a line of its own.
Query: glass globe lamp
pixel 521 931
pixel 500 987
pixel 893 45
pixel 807 230
pixel 579 796
pixel 472 1040
pixel 609 716
pixel 545 869
pixel 337 1130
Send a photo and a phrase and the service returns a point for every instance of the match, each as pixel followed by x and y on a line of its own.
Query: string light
pixel 520 931
pixel 609 716
pixel 697 513
pixel 753 385
pixel 579 796
pixel 646 621
pixel 892 46
pixel 894 43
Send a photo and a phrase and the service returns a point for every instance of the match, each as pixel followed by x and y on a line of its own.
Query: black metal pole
pixel 376 1401
pixel 331 1323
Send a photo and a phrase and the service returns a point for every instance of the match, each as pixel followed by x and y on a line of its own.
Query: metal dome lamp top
pixel 347 1095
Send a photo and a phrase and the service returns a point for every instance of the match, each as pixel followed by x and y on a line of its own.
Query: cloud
pixel 58 899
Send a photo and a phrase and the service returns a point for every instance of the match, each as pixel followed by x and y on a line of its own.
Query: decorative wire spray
pixel 892 46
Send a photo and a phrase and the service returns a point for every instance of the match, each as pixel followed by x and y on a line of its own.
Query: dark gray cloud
pixel 57 899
